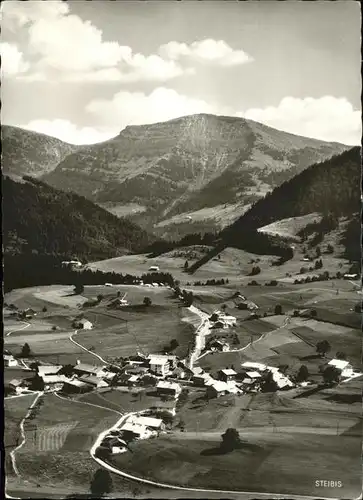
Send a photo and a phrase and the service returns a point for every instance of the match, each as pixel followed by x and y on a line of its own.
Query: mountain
pixel 42 220
pixel 189 171
pixel 30 153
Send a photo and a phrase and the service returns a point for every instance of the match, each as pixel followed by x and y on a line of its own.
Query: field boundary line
pixel 12 453
pixel 18 329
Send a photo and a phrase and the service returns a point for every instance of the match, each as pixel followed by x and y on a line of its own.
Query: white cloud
pixel 69 132
pixel 216 52
pixel 12 60
pixel 136 108
pixel 68 48
pixel 327 118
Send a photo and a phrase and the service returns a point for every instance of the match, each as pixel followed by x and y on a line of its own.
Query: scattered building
pixel 132 430
pixel 9 360
pixel 251 365
pixel 82 324
pixel 44 370
pixel 155 424
pixel 219 345
pixel 345 367
pixel 75 386
pixel 17 385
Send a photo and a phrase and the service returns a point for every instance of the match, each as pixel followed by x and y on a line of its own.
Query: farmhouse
pixel 164 406
pixel 281 380
pixel 86 369
pixel 164 388
pixel 344 366
pixel 154 269
pixel 55 381
pixel 83 324
pixel 219 345
pixel 17 385
pixel 44 370
pixel 94 381
pixel 251 365
pixel 219 388
pixel 75 386
pixel 132 430
pixel 9 360
pixel 154 424
pixel 202 380
pixel 227 375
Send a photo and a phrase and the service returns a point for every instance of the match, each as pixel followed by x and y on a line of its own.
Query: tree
pixel 224 307
pixel 278 309
pixel 78 289
pixel 318 251
pixel 66 370
pixel 173 344
pixel 341 355
pixel 44 310
pixel 302 374
pixel 34 366
pixel 313 313
pixel 331 375
pixel 330 248
pixel 37 383
pixel 119 294
pixel 358 307
pixel 25 351
pixel 283 368
pixel 269 384
pixel 147 301
pixel 101 483
pixel 186 265
pixel 230 440
pixel 323 347
pixel 99 297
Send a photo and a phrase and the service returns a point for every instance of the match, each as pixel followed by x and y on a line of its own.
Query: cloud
pixel 12 60
pixel 327 118
pixel 69 132
pixel 136 108
pixel 216 52
pixel 68 48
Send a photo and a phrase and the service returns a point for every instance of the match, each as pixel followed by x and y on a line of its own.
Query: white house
pixel 83 324
pixel 9 360
pixel 86 369
pixel 161 364
pixel 17 385
pixel 148 422
pixel 44 370
pixel 154 269
pixel 227 374
pixel 344 366
pixel 137 430
pixel 94 381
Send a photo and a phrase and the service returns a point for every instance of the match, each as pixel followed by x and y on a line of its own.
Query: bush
pixel 278 309
pixel 147 301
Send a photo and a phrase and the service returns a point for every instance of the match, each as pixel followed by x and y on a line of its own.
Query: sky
pixel 84 70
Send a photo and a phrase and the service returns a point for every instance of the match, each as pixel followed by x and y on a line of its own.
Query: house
pixel 17 385
pixel 27 313
pixel 345 367
pixel 282 381
pixel 251 365
pixel 201 380
pixel 161 364
pixel 75 386
pixel 350 276
pixel 132 430
pixel 94 381
pixel 43 370
pixel 155 424
pixel 219 388
pixel 154 269
pixel 164 388
pixel 164 406
pixel 83 324
pixel 227 375
pixel 9 360
pixel 54 381
pixel 219 345
pixel 86 369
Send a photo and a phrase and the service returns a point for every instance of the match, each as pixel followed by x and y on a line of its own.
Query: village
pixel 166 377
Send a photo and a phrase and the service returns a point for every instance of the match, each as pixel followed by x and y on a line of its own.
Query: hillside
pixel 30 153
pixel 40 219
pixel 322 200
pixel 154 173
pixel 331 187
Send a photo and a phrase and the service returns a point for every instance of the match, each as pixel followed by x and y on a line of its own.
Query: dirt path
pixel 26 325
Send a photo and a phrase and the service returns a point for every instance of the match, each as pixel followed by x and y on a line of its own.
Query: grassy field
pixel 61 434
pixel 275 463
pixel 15 410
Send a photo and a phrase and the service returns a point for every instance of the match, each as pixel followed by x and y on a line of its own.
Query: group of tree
pixel 323 347
pixel 45 220
pixel 255 270
pixel 26 270
pixel 212 282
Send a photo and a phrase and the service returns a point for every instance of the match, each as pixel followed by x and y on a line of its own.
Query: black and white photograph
pixel 182 289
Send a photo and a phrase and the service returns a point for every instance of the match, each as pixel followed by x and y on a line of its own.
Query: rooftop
pixel 229 371
pixel 339 363
pixel 252 364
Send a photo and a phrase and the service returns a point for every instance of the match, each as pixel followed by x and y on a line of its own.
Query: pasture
pixel 60 433
pixel 276 463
